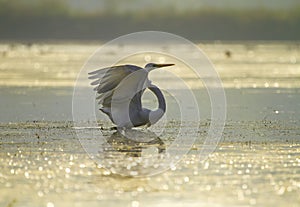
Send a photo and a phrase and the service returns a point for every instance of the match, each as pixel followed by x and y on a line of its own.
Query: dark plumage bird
pixel 120 90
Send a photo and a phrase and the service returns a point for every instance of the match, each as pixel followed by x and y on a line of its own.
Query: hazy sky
pixel 86 19
pixel 179 5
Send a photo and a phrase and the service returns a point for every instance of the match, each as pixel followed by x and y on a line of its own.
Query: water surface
pixel 258 158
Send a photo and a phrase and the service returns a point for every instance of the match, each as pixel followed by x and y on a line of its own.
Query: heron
pixel 120 89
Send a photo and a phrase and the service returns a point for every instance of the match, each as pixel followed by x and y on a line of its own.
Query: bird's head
pixel 152 66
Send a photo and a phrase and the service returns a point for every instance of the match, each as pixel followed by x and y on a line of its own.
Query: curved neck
pixel 159 96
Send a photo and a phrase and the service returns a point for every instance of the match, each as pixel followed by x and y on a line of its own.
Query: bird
pixel 120 89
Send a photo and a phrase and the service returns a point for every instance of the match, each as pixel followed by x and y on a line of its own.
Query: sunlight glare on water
pixel 248 65
pixel 257 162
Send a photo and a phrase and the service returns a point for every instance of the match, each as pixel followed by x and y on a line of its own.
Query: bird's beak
pixel 163 65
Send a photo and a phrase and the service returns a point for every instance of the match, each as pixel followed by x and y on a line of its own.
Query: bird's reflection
pixel 134 142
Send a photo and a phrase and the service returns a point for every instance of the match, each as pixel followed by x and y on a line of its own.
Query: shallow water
pixel 45 164
pixel 240 65
pixel 258 157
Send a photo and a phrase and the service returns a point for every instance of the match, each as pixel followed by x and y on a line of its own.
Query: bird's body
pixel 120 90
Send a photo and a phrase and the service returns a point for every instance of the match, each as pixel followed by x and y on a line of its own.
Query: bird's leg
pixel 121 130
pixel 113 128
pixel 147 126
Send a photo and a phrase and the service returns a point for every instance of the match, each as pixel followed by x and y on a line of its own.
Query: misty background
pixel 108 19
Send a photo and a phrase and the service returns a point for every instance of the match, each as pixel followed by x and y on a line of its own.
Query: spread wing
pixel 122 85
pixel 107 79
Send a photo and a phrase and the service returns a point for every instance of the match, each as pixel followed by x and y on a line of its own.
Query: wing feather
pixel 107 85
pixel 109 78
